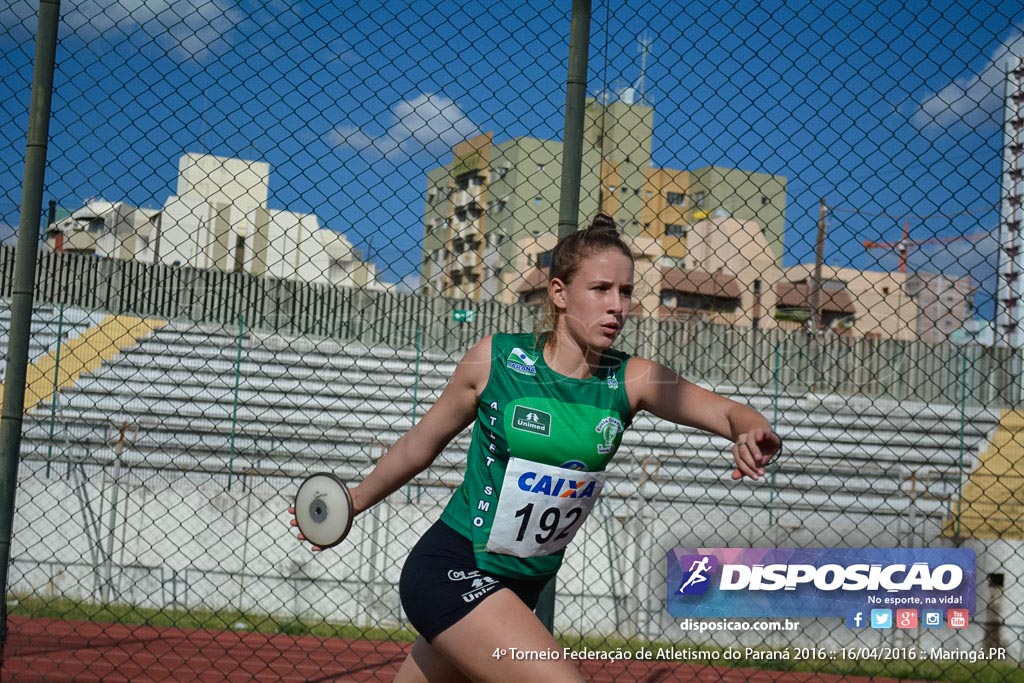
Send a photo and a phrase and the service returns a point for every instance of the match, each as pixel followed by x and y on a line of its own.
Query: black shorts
pixel 440 583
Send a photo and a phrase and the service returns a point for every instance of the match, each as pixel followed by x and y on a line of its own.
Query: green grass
pixel 62 608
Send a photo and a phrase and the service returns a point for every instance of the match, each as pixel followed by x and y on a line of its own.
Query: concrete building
pixel 218 218
pixel 887 305
pixel 728 273
pixel 110 229
pixel 495 198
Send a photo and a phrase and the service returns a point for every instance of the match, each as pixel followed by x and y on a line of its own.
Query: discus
pixel 323 510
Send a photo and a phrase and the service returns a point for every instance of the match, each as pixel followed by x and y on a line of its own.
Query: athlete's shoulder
pixel 475 366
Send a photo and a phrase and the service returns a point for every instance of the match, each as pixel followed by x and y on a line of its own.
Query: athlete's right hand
pixel 293 522
pixel 753 451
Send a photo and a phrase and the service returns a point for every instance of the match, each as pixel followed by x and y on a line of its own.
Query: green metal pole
pixel 575 104
pixel 775 419
pixel 569 200
pixel 963 447
pixel 415 399
pixel 53 399
pixel 24 279
pixel 234 402
pixel 416 381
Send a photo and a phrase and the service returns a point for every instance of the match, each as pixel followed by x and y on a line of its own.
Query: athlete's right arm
pixel 414 452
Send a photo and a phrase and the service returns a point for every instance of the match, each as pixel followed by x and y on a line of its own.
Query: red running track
pixel 85 652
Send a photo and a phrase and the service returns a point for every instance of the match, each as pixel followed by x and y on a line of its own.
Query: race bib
pixel 541 508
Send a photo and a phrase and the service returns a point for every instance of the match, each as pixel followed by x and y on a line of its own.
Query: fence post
pixel 56 386
pixel 107 587
pixel 24 277
pixel 961 451
pixel 773 465
pixel 234 403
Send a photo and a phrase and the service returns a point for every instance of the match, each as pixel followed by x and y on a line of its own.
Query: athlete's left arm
pixel 661 391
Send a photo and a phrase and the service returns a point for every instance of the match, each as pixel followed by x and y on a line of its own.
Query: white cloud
pixel 189 29
pixel 427 123
pixel 974 100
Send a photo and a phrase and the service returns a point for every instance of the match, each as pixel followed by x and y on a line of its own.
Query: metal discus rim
pixel 306 495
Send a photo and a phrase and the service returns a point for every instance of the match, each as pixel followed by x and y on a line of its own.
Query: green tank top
pixel 529 412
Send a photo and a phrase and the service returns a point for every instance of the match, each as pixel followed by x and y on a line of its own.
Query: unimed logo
pixel 531 420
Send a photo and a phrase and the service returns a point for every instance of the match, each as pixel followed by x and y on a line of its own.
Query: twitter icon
pixel 881 618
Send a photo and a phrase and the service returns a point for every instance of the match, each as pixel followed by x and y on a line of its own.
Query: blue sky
pixel 880 108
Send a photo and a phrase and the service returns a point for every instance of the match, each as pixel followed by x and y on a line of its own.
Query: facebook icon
pixel 856 620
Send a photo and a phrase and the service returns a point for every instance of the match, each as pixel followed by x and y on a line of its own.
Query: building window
pixel 675 230
pixel 468 180
pixel 699 302
pixel 672 262
pixel 431 195
pixel 540 168
pixel 764 200
pixel 495 239
pixel 537 201
pixel 534 298
pixel 544 259
pixel 833 285
pixel 499 206
pixel 676 198
pixel 698 199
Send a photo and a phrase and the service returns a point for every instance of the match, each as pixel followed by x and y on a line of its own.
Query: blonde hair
pixel 569 253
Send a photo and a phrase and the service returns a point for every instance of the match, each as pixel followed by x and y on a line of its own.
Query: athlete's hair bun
pixel 603 223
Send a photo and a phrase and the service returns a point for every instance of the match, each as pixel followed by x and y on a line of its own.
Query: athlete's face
pixel 595 303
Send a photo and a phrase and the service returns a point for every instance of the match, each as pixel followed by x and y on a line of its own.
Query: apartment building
pixel 487 207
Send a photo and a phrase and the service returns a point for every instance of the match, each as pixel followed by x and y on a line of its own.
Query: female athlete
pixel 548 412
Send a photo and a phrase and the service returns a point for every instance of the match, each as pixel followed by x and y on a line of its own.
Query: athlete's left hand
pixel 753 451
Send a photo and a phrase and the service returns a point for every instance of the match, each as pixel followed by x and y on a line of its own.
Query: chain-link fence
pixel 270 231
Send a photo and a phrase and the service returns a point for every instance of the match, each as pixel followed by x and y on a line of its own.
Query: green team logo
pixel 519 362
pixel 608 428
pixel 527 419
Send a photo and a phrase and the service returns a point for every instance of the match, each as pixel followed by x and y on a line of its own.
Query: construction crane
pixel 903 246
